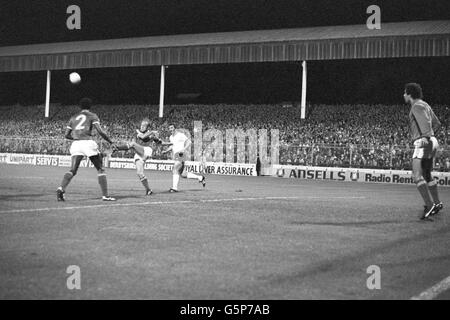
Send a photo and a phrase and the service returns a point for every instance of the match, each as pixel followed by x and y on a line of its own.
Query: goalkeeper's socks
pixel 432 186
pixel 422 186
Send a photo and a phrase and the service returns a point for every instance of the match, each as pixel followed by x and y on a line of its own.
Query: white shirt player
pixel 178 140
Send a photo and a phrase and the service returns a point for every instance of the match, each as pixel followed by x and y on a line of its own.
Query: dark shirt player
pixel 80 129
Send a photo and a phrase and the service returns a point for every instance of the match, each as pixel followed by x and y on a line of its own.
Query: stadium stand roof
pixel 399 39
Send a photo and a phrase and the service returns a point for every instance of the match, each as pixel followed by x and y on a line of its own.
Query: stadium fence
pixel 345 156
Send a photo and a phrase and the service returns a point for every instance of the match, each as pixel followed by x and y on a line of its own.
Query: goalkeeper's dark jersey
pixel 423 121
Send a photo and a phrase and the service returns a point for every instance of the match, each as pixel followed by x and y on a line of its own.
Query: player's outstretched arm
pixel 68 134
pixel 435 123
pixel 147 134
pixel 142 135
pixel 152 135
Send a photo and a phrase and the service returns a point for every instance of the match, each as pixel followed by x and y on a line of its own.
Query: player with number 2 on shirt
pixel 80 130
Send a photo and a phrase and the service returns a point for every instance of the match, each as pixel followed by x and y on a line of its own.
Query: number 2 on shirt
pixel 80 125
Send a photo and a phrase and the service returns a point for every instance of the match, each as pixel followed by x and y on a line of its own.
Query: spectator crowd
pixel 360 136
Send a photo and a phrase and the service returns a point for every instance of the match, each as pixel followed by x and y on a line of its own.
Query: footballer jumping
pixel 424 124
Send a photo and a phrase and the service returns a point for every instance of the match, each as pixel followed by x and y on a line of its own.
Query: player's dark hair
pixel 414 90
pixel 85 103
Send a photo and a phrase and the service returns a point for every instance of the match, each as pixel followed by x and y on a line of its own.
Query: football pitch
pixel 239 238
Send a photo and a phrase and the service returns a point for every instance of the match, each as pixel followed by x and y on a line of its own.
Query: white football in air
pixel 74 77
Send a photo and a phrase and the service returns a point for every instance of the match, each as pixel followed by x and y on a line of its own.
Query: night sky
pixel 351 81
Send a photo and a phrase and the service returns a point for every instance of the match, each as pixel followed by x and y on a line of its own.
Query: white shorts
pixel 147 154
pixel 86 148
pixel 179 156
pixel 427 152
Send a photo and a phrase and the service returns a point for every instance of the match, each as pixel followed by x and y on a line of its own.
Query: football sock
pixel 191 175
pixel 423 190
pixel 123 146
pixel 432 186
pixel 103 184
pixel 66 180
pixel 175 179
pixel 144 182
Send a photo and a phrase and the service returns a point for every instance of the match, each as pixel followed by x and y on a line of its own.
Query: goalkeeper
pixel 424 124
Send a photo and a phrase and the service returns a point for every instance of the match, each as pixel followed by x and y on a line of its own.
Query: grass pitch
pixel 239 238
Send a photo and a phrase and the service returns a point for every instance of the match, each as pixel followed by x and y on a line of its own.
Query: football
pixel 74 78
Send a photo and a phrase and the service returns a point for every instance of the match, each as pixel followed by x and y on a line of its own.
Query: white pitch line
pixel 93 206
pixel 163 202
pixel 30 177
pixel 88 178
pixel 434 291
pixel 314 197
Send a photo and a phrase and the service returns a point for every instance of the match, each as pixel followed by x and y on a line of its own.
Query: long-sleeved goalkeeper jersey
pixel 423 121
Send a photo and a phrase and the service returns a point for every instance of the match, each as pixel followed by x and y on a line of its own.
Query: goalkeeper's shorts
pixel 425 152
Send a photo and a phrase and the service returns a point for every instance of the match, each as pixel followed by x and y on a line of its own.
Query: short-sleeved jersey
pixel 423 121
pixel 82 124
pixel 178 139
